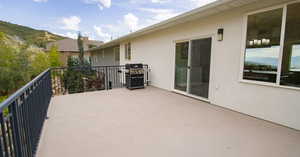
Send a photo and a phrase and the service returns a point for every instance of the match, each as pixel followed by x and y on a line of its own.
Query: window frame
pixel 117 53
pixel 282 40
pixel 102 54
pixel 127 52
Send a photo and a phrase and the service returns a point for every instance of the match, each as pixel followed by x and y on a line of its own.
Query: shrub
pixel 54 57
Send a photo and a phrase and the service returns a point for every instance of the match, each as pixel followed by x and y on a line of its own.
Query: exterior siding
pixel 279 105
pixel 108 59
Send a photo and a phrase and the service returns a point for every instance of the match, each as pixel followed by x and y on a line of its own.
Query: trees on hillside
pixel 13 69
pixel 54 57
pixel 21 63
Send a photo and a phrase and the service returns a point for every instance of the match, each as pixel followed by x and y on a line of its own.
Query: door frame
pixel 186 93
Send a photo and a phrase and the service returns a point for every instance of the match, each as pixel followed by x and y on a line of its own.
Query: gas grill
pixel 134 76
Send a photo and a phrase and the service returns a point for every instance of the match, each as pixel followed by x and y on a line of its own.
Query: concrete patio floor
pixel 155 123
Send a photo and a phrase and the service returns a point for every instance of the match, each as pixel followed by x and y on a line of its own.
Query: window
pixel 117 54
pixel 103 55
pixel 263 46
pixel 128 51
pixel 290 69
pixel 181 64
pixel 74 57
pixel 267 57
pixel 87 59
pixel 295 58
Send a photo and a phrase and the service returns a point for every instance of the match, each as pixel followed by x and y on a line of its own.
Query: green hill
pixel 31 36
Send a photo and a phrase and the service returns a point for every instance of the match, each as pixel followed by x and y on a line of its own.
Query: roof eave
pixel 206 10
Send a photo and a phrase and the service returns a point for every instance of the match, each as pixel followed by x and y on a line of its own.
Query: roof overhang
pixel 198 13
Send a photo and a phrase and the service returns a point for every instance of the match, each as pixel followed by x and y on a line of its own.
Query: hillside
pixel 29 35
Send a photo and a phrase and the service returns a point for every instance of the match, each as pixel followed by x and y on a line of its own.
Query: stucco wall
pixel 107 60
pixel 279 105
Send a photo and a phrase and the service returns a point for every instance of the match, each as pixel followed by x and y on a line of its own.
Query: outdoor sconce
pixel 220 34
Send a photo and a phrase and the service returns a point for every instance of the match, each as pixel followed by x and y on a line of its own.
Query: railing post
pixel 15 129
pixel 147 79
pixel 3 131
pixel 106 78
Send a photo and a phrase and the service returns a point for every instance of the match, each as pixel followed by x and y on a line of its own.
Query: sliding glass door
pixel 193 67
pixel 181 64
pixel 200 67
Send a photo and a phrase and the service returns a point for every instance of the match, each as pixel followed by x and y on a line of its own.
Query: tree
pixel 40 63
pixel 14 67
pixel 2 36
pixel 80 48
pixel 54 57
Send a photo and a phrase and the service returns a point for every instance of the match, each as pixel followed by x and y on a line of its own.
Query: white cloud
pixel 72 35
pixel 160 1
pixel 131 21
pixel 100 3
pixel 68 34
pixel 71 23
pixel 198 3
pixel 160 14
pixel 161 10
pixel 40 0
pixel 101 33
pixel 112 28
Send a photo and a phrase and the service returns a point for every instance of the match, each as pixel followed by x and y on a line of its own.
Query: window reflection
pixel 182 51
pixel 263 46
pixel 295 59
pixel 290 72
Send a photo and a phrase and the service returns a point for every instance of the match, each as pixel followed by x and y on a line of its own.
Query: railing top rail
pixel 20 91
pixel 94 66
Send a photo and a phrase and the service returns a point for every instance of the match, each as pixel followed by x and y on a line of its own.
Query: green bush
pixel 20 63
pixel 2 98
pixel 14 69
pixel 54 57
pixel 77 75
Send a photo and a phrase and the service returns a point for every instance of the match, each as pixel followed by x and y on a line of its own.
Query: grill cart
pixel 134 76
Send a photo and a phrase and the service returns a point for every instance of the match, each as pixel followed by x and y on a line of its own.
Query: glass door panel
pixel 181 63
pixel 199 67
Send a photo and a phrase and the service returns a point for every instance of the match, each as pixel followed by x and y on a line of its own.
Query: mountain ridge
pixel 272 61
pixel 30 35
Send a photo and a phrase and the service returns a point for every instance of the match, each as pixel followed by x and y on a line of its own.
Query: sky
pixel 99 19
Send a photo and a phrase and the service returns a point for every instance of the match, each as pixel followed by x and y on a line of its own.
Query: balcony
pixel 137 123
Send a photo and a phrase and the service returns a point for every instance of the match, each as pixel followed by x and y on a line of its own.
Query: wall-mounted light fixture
pixel 220 34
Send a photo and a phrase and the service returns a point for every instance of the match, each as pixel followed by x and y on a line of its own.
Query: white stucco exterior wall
pixel 279 105
pixel 106 59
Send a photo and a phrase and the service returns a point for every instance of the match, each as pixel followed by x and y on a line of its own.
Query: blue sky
pixel 98 19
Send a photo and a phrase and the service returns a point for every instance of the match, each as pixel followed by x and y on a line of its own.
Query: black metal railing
pixel 22 116
pixel 91 78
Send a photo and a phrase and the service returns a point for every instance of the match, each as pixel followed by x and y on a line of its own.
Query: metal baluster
pixel 3 130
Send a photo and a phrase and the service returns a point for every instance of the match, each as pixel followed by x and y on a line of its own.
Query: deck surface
pixel 155 123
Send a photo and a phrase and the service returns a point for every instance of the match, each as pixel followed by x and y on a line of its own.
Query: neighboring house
pixel 238 54
pixel 69 48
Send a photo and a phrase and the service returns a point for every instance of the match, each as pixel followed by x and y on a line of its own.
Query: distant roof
pixel 204 11
pixel 71 44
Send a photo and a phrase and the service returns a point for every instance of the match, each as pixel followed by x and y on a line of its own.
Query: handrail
pixel 22 116
pixel 20 91
pixel 93 66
